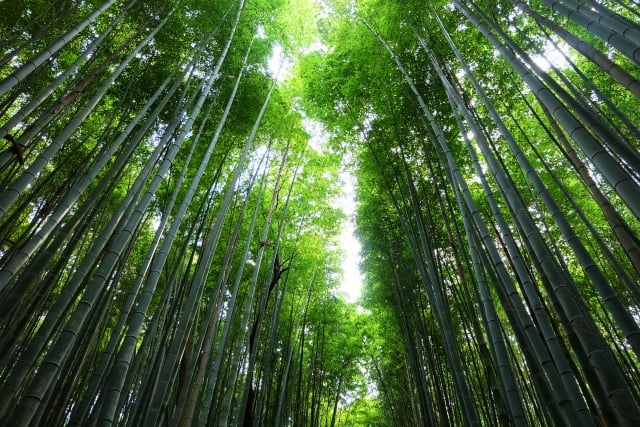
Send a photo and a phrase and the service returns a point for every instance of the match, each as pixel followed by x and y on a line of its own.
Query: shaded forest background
pixel 170 177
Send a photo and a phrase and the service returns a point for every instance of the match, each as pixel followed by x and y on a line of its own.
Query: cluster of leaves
pixel 381 88
pixel 169 235
pixel 179 257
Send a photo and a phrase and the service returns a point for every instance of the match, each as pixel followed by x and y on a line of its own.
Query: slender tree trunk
pixel 51 50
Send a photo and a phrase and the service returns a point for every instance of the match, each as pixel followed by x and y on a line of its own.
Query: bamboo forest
pixel 192 192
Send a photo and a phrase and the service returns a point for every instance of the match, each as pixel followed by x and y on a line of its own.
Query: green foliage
pixel 136 287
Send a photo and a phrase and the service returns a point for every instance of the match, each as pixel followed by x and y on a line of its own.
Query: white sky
pixel 280 72
pixel 553 55
pixel 351 284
